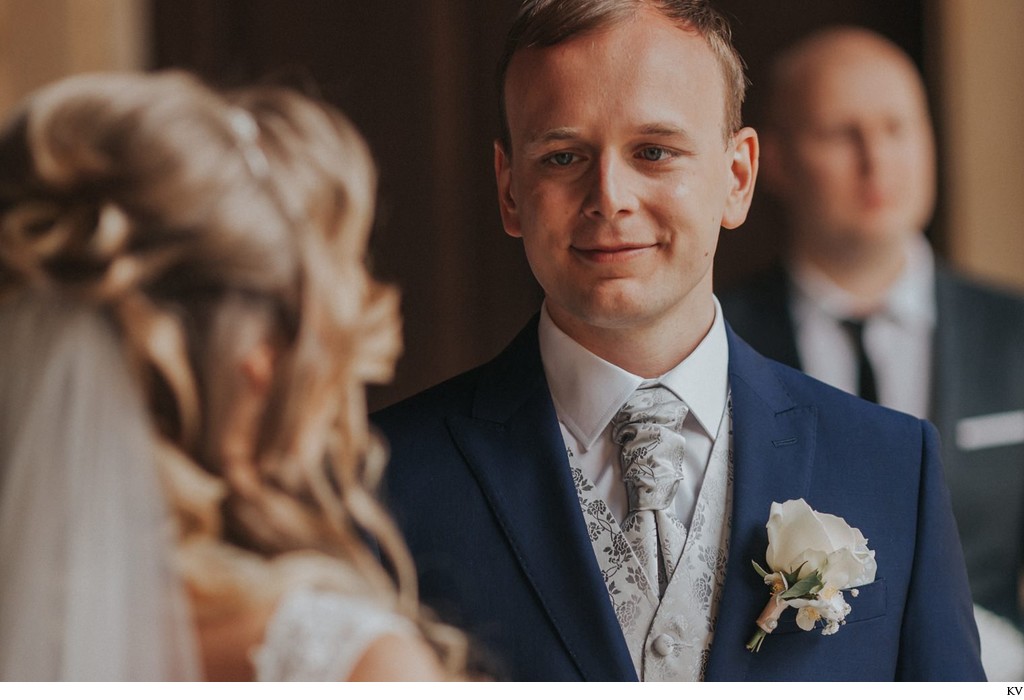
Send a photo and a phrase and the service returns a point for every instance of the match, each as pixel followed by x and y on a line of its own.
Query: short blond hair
pixel 550 22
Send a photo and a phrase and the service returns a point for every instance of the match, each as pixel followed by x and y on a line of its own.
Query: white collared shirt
pixel 897 337
pixel 588 392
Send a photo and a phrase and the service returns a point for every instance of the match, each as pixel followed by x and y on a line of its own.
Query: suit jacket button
pixel 663 645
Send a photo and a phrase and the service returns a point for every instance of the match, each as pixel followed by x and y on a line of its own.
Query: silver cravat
pixel 648 430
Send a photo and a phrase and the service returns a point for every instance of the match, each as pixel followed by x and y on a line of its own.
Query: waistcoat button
pixel 663 645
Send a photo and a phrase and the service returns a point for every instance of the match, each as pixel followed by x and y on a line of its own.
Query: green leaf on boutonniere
pixel 804 587
pixel 760 572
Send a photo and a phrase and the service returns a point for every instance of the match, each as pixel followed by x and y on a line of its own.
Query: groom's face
pixel 619 174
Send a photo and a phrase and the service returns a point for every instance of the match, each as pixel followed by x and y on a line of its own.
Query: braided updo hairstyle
pixel 202 224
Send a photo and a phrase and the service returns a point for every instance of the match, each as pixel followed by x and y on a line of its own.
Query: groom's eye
pixel 562 159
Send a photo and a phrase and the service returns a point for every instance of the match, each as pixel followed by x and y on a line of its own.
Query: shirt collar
pixel 588 391
pixel 910 300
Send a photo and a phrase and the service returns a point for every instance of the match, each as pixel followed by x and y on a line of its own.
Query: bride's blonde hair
pixel 201 224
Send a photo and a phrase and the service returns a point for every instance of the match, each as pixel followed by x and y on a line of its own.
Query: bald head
pixel 798 73
pixel 848 143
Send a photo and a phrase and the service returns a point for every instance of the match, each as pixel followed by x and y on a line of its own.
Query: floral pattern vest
pixel 670 639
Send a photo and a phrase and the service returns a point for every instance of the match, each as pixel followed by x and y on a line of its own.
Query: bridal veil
pixel 88 589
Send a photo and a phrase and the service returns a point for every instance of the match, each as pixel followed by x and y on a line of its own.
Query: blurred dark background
pixel 417 77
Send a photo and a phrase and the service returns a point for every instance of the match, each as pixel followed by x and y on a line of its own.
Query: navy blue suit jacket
pixel 480 485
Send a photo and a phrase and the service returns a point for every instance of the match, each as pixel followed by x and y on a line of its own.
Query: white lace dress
pixel 321 635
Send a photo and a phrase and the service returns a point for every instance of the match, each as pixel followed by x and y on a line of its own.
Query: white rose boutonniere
pixel 811 557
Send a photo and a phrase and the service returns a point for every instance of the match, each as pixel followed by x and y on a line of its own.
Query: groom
pixel 587 505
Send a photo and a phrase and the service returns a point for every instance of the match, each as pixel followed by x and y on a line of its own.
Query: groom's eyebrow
pixel 566 133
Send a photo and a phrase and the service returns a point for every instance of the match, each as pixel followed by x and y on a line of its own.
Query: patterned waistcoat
pixel 670 639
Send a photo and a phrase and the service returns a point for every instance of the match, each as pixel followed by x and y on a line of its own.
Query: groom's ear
pixel 741 177
pixel 506 191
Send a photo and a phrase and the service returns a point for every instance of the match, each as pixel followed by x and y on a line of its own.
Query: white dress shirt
pixel 588 392
pixel 897 336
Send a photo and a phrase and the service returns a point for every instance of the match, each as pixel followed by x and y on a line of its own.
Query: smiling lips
pixel 613 254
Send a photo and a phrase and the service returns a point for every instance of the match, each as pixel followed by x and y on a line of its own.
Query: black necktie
pixel 866 388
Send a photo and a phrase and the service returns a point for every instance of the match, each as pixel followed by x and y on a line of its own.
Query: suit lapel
pixel 514 447
pixel 773 446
